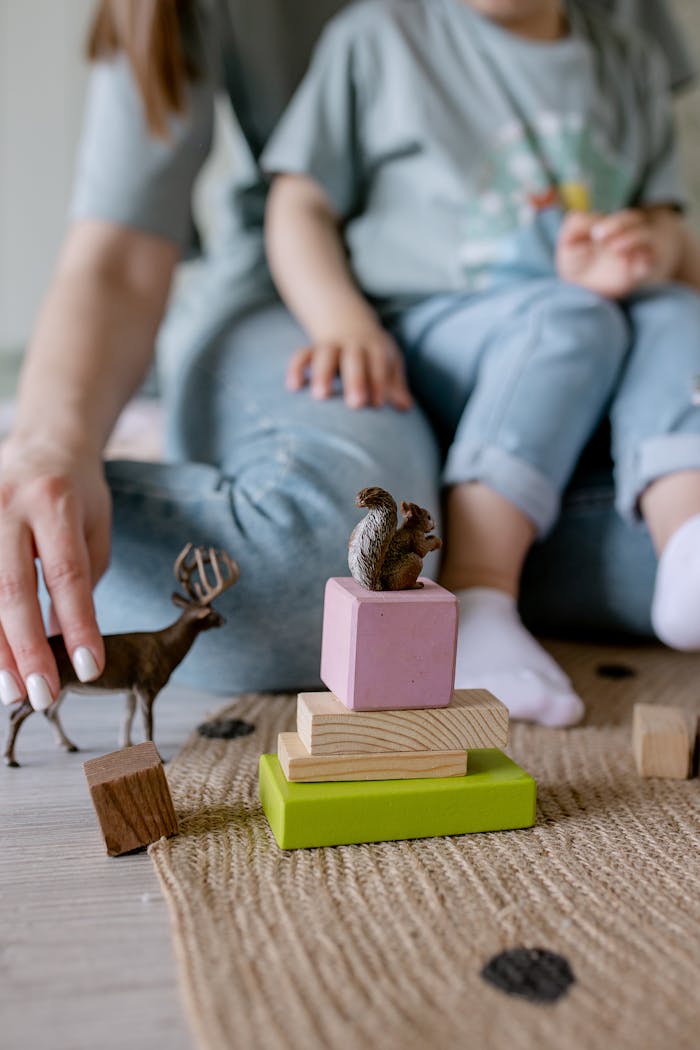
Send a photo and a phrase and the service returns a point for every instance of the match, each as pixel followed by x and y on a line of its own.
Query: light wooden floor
pixel 85 955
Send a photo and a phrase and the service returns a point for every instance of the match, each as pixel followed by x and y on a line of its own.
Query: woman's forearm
pixel 94 336
pixel 92 345
pixel 308 259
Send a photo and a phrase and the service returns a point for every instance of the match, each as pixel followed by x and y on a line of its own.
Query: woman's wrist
pixel 64 448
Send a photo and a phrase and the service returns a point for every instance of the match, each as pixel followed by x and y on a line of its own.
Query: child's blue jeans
pixel 518 379
pixel 271 477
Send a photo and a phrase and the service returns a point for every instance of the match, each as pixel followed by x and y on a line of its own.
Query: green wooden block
pixel 495 795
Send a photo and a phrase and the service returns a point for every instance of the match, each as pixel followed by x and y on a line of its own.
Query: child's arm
pixel 309 263
pixel 616 254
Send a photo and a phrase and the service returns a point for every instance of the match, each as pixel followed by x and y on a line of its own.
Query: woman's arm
pixel 91 348
pixel 309 263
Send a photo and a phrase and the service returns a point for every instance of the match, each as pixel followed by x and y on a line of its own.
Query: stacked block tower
pixel 392 750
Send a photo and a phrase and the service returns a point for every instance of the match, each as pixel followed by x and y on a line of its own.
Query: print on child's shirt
pixel 514 217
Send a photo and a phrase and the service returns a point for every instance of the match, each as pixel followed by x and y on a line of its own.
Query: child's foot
pixel 495 652
pixel 675 610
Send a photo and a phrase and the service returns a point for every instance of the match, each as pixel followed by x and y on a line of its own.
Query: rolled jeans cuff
pixel 655 457
pixel 515 479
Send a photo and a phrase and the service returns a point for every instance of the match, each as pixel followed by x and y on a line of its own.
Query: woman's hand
pixel 366 358
pixel 616 254
pixel 54 506
pixel 91 346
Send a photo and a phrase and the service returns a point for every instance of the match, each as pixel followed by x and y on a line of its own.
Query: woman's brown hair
pixel 150 33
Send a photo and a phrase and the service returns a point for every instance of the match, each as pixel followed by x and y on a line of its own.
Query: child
pixel 494 182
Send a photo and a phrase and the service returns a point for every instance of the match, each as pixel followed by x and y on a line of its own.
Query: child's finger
pixel 378 372
pixel 635 241
pixel 398 393
pixel 577 226
pixel 642 267
pixel 296 374
pixel 621 221
pixel 324 369
pixel 354 376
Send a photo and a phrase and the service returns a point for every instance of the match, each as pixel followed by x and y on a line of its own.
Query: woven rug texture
pixel 382 946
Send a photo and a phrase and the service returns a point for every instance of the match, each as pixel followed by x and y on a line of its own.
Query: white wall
pixel 41 88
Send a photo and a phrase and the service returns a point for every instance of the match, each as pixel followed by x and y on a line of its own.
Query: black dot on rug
pixel 615 671
pixel 535 974
pixel 225 728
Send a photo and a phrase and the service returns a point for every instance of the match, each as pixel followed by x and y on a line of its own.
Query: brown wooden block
pixel 131 798
pixel 474 719
pixel 663 741
pixel 301 767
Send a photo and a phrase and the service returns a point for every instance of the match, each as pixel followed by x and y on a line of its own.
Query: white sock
pixel 496 652
pixel 675 610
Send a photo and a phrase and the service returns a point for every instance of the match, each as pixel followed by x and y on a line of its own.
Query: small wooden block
pixel 495 795
pixel 386 650
pixel 663 741
pixel 475 718
pixel 131 798
pixel 301 767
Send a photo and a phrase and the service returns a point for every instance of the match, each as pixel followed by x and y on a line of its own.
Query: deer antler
pixel 195 560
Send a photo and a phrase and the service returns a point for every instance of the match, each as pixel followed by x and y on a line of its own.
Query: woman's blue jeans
pixel 271 476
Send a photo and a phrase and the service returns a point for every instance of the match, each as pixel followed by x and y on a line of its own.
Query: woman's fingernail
pixel 84 664
pixel 10 692
pixel 38 692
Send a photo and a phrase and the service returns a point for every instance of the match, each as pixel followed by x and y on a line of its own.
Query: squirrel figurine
pixel 383 557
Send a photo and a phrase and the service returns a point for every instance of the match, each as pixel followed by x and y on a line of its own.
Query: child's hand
pixel 368 361
pixel 616 254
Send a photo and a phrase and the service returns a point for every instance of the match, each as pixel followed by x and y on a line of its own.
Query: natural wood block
pixel 384 650
pixel 663 739
pixel 301 767
pixel 131 798
pixel 495 795
pixel 474 718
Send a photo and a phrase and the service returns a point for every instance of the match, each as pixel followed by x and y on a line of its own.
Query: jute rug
pixel 383 946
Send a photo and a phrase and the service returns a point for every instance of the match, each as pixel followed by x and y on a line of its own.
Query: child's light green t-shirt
pixel 449 146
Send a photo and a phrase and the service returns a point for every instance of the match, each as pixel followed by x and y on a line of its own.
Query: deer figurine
pixel 140 664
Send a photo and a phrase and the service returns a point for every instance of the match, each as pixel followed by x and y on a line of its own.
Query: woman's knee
pixel 304 475
pixel 230 383
pixel 285 516
pixel 285 491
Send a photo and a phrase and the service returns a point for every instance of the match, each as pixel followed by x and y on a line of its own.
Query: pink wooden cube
pixel 389 650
